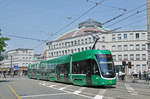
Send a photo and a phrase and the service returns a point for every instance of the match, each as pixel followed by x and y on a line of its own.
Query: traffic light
pixel 129 65
pixel 123 63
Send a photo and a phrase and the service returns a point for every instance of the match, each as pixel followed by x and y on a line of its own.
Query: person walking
pixel 4 74
pixel 140 75
pixel 148 76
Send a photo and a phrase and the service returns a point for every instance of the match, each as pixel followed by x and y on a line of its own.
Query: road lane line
pixel 41 95
pixel 64 87
pixel 131 90
pixel 78 91
pixel 51 86
pixel 14 92
pixel 100 94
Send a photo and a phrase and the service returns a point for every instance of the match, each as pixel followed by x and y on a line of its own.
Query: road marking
pixel 131 90
pixel 98 97
pixel 41 95
pixel 78 91
pixel 14 92
pixel 64 87
pixel 51 86
pixel 100 94
pixel 71 92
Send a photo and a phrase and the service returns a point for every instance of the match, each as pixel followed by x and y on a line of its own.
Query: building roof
pixel 88 26
pixel 20 49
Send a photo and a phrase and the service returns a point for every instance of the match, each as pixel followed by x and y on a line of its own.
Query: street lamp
pixel 10 64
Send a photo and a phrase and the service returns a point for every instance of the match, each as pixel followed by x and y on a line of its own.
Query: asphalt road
pixel 24 88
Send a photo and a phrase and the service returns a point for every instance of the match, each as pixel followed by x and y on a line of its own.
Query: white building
pixel 124 45
pixel 18 57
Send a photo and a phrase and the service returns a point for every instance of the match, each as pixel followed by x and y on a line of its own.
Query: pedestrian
pixel 4 74
pixel 144 74
pixel 140 75
pixel 148 76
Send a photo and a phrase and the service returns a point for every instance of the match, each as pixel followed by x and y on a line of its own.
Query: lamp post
pixel 11 65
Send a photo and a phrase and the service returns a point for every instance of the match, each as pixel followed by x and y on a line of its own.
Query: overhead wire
pixel 87 11
pixel 123 19
pixel 22 37
pixel 137 12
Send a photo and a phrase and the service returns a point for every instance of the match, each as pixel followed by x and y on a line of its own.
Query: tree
pixel 2 44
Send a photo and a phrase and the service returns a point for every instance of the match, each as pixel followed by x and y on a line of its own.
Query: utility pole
pixel 148 32
pixel 11 65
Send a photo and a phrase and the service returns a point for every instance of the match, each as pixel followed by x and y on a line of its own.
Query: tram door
pixel 89 74
pixel 58 72
pixel 66 72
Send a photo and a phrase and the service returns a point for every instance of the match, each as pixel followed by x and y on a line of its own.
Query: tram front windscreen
pixel 106 65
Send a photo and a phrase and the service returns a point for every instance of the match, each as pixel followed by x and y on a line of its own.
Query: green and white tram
pixel 87 68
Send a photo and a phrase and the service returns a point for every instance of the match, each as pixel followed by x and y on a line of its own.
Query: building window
pixel 125 56
pixel 119 36
pixel 103 46
pixel 119 47
pixel 78 49
pixel 131 36
pixel 90 47
pixel 137 35
pixel 75 42
pixel 138 68
pixel 71 43
pixel 137 56
pixel 62 44
pixel 90 40
pixel 71 51
pixel 143 47
pixel 79 42
pixel 143 56
pixel 68 51
pixel 82 49
pixel 120 57
pixel 85 48
pixel 131 47
pixel 113 47
pixel 82 41
pixel 86 41
pixel 125 47
pixel 51 53
pixel 114 57
pixel 113 37
pixel 143 67
pixel 131 56
pixel 103 38
pixel 143 36
pixel 137 46
pixel 125 36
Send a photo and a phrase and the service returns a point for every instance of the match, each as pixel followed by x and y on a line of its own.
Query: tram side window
pixel 94 67
pixel 43 69
pixel 38 69
pixel 66 68
pixel 62 68
pixel 51 68
pixel 79 67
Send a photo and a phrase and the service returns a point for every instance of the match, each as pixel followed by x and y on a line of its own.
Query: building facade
pixel 129 46
pixel 17 59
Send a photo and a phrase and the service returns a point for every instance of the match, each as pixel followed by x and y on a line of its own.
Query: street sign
pixel 16 67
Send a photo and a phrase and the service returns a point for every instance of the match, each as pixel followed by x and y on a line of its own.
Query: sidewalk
pixel 136 80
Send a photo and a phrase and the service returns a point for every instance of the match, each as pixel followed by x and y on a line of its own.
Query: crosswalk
pixel 120 91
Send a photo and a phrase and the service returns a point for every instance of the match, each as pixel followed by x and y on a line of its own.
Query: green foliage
pixel 2 44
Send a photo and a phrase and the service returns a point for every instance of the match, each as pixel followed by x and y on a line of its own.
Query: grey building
pixel 129 46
